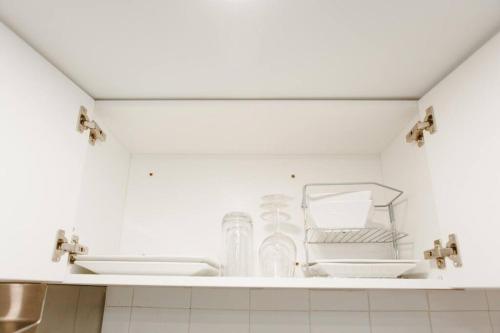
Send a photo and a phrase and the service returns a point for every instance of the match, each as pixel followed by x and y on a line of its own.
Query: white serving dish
pixel 147 258
pixel 148 268
pixel 340 210
pixel 362 269
pixel 366 261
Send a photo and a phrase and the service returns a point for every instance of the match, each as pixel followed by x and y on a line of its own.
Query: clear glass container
pixel 237 238
pixel 277 256
pixel 277 253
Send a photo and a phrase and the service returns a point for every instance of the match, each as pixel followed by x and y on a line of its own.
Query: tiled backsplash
pixel 72 309
pixel 212 310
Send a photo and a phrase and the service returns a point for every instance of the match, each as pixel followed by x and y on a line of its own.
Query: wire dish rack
pixel 367 235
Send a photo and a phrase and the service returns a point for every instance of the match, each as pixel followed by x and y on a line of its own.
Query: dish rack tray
pixel 351 235
pixel 368 235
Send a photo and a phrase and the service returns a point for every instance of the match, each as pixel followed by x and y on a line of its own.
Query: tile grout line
pixel 489 310
pixel 76 308
pixel 429 310
pixel 210 309
pixel 249 310
pixel 369 310
pixel 384 311
pixel 130 310
pixel 487 300
pixel 333 311
pixel 190 308
pixel 310 310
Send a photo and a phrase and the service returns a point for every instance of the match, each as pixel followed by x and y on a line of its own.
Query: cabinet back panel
pixel 175 203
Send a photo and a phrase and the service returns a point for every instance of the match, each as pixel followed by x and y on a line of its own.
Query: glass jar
pixel 237 239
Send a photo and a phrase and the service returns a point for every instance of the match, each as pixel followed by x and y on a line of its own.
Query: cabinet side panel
pixel 42 157
pixel 404 166
pixel 464 163
pixel 102 196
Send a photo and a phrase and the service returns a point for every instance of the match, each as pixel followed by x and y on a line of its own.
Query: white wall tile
pixel 116 320
pixel 156 297
pixel 494 299
pixel 279 322
pixel 457 300
pixel 461 322
pixel 396 322
pixel 119 296
pixel 495 321
pixel 220 298
pixel 279 299
pixel 339 300
pixel 398 300
pixel 156 320
pixel 219 321
pixel 344 322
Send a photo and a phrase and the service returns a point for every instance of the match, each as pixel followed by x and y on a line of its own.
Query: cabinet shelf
pixel 254 282
pixel 352 235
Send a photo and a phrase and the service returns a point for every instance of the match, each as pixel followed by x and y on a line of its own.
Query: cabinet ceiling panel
pixel 254 48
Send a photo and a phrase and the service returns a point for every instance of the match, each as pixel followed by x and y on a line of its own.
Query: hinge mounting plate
pixel 84 123
pixel 73 248
pixel 416 134
pixel 440 253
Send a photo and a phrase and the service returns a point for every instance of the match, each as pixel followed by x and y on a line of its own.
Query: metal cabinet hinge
pixel 84 123
pixel 440 253
pixel 63 246
pixel 416 134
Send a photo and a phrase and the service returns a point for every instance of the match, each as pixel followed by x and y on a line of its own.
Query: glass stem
pixel 277 220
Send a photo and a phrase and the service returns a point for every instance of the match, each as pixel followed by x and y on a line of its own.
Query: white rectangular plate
pixel 149 268
pixel 147 258
pixel 367 261
pixel 362 270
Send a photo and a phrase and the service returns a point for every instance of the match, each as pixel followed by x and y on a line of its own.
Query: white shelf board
pixel 254 282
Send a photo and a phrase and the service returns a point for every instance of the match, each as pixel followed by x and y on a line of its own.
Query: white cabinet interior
pixel 175 201
pixel 169 170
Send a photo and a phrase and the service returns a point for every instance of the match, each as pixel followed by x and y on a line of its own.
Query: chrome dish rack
pixel 367 235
